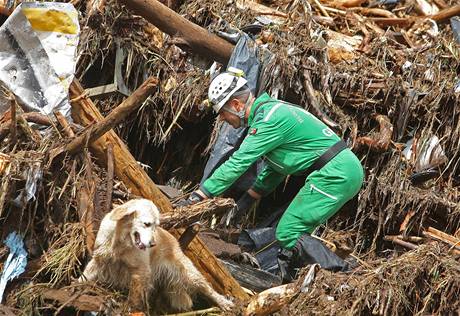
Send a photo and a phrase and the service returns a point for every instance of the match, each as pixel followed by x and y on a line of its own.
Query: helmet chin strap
pixel 241 114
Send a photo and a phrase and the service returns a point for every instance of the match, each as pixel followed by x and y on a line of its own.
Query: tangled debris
pixel 383 75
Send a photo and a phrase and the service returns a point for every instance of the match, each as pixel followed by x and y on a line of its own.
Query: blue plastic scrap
pixel 16 262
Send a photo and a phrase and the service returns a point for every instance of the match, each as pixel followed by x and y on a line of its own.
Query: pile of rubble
pixel 382 73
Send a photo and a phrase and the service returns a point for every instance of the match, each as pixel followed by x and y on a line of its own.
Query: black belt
pixel 325 157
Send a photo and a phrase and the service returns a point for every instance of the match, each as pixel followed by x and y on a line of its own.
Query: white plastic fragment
pixel 16 261
pixel 38 46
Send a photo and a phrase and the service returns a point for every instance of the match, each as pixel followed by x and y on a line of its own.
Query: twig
pixel 64 124
pixel 374 11
pixel 321 8
pixel 402 22
pixel 333 10
pixel 441 4
pixel 176 117
pixel 78 98
pixel 32 134
pixel 310 93
pixel 406 238
pixel 70 300
pixel 13 125
pixel 400 242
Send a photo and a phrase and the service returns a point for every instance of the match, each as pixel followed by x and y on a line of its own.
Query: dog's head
pixel 139 218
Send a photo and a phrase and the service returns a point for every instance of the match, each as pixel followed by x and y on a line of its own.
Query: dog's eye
pixel 148 224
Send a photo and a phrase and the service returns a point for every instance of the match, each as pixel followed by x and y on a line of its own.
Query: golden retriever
pixel 133 252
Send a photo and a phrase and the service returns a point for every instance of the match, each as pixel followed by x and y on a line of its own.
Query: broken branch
pixel 196 38
pixel 133 102
pixel 382 140
pixel 446 14
pixel 193 213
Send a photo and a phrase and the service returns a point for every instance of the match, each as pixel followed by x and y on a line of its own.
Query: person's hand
pixel 243 205
pixel 193 198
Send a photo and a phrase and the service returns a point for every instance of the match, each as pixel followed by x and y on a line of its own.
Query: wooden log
pixel 84 112
pixel 194 37
pixel 133 102
pixel 184 216
pixel 134 177
pixel 214 271
pixel 85 207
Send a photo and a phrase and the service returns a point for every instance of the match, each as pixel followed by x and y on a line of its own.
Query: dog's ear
pixel 122 211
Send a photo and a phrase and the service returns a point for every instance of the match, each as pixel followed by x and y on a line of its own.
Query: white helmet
pixel 224 85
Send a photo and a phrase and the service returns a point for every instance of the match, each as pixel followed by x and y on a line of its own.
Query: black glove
pixel 243 205
pixel 193 198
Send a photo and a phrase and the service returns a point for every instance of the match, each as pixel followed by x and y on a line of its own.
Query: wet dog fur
pixel 133 252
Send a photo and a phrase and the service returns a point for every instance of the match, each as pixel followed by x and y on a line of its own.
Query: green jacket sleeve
pixel 263 137
pixel 267 180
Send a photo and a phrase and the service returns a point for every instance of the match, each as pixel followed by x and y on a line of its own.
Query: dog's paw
pixel 226 304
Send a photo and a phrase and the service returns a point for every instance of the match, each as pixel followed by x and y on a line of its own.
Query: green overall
pixel 291 139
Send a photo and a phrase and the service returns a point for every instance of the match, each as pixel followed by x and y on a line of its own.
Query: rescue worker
pixel 292 142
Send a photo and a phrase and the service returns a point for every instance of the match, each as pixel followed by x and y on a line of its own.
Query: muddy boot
pixel 287 272
pixel 308 250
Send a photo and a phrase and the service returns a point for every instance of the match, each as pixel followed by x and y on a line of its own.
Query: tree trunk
pixel 198 39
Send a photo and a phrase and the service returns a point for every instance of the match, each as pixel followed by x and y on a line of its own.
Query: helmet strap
pixel 241 114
